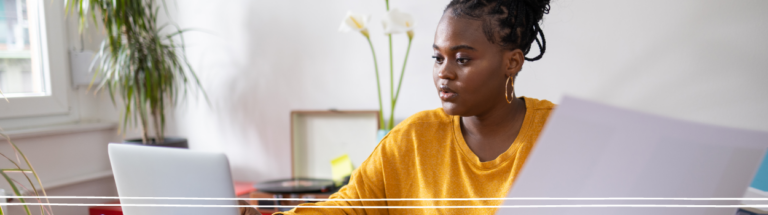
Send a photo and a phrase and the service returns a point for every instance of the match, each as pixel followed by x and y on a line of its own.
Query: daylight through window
pixel 20 73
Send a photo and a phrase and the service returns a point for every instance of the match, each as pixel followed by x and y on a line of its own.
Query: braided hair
pixel 513 24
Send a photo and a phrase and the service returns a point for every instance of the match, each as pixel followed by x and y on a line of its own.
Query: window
pixel 34 74
pixel 20 74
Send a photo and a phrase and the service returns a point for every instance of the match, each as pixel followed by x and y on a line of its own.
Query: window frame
pixel 54 64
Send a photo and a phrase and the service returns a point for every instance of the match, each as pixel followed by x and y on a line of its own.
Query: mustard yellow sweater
pixel 426 157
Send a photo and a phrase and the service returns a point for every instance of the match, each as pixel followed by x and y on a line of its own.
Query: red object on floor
pixel 241 188
pixel 106 210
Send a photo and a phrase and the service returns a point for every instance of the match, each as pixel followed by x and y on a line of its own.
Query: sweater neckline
pixel 503 157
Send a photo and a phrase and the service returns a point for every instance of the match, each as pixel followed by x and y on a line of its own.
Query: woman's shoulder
pixel 427 129
pixel 539 112
pixel 421 126
pixel 428 116
pixel 539 104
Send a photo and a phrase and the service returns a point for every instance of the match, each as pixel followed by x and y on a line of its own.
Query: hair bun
pixel 514 23
pixel 537 7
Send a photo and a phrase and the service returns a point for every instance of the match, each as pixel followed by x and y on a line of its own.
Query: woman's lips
pixel 446 94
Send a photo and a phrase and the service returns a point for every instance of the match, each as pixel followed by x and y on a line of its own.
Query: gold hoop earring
pixel 512 84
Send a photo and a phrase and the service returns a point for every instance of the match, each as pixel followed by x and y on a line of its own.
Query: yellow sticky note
pixel 341 167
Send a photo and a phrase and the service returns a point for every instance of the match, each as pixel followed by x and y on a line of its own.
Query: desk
pixel 242 190
pixel 288 204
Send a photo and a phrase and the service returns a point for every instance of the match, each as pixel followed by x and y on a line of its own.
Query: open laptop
pixel 146 171
pixel 593 150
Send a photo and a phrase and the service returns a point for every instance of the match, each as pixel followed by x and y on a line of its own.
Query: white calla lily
pixel 395 22
pixel 398 22
pixel 355 22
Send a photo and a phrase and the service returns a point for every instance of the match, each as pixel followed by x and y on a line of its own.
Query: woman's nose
pixel 446 72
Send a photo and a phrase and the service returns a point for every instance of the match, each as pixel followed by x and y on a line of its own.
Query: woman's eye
pixel 462 60
pixel 438 60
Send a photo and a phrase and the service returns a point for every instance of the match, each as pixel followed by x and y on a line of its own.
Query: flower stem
pixel 402 72
pixel 378 84
pixel 391 85
pixel 391 80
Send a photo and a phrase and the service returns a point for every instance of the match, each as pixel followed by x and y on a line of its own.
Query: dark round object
pixel 296 185
pixel 173 142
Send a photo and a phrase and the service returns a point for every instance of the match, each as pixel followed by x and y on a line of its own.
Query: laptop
pixel 147 171
pixel 591 150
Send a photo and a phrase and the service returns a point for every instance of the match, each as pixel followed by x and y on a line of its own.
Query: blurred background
pixel 698 60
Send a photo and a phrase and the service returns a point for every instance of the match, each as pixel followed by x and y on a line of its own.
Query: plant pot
pixel 173 142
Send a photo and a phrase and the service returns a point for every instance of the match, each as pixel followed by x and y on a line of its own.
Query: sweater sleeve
pixel 366 182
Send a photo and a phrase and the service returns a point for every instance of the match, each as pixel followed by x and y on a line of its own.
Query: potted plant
pixel 139 63
pixel 24 168
pixel 395 22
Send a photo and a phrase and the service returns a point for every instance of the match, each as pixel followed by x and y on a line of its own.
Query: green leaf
pixel 139 65
pixel 15 191
pixel 32 169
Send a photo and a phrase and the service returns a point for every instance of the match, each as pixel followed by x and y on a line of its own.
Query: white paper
pixel 593 150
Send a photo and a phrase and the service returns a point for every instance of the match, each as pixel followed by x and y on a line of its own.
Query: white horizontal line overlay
pixel 395 207
pixel 396 199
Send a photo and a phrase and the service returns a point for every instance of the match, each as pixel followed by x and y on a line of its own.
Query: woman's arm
pixel 367 182
pixel 247 210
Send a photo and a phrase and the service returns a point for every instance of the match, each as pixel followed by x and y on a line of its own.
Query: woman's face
pixel 469 71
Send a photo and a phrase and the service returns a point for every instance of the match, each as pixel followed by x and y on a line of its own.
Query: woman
pixel 476 144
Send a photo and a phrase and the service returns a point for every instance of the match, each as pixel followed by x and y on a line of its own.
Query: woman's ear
pixel 514 60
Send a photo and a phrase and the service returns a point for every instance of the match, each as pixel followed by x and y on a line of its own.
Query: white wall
pixel 263 59
pixel 692 59
pixel 698 60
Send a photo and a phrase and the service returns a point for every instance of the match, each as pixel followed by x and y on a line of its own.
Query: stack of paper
pixel 593 150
